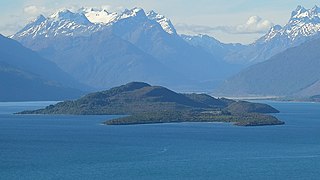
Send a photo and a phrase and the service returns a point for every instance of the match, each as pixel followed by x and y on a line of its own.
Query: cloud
pixel 20 19
pixel 254 25
pixel 9 28
pixel 34 10
pixel 198 29
pixel 106 7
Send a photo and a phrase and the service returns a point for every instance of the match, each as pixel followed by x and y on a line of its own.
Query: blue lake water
pixel 79 147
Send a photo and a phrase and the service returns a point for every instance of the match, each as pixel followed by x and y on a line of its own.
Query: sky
pixel 236 21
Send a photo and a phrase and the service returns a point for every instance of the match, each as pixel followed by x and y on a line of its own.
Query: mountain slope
pixel 294 72
pixel 212 45
pixel 303 26
pixel 27 76
pixel 14 54
pixel 149 36
pixel 169 48
pixel 19 85
pixel 105 60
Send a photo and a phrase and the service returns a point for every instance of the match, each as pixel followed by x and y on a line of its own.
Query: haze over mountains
pixel 24 75
pixel 293 72
pixel 303 25
pixel 107 49
pixel 103 49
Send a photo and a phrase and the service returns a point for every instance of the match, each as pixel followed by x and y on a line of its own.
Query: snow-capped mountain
pixel 87 43
pixel 304 25
pixel 99 15
pixel 63 22
pixel 84 22
pixel 293 69
pixel 155 35
pixel 163 21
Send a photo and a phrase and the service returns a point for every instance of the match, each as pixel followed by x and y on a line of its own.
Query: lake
pixel 79 147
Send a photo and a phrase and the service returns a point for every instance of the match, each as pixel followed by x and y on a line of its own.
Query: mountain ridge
pixel 293 72
pixel 302 26
pixel 150 34
pixel 27 76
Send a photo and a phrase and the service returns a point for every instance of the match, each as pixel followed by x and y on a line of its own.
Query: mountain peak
pixel 163 21
pixel 299 12
pixel 154 15
pixel 61 14
pixel 134 12
pixel 300 8
pixel 36 22
pixel 306 14
pixel 275 29
pixel 137 9
pixel 96 15
pixel 315 11
pixel 66 14
pixel 303 23
pixel 92 9
pixel 315 7
pixel 40 18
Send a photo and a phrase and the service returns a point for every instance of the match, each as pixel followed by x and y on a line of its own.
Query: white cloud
pixel 9 28
pixel 21 18
pixel 34 10
pixel 254 25
pixel 106 7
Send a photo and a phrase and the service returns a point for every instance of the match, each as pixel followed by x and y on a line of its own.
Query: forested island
pixel 146 104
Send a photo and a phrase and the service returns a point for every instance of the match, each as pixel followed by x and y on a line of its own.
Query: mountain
pixel 27 76
pixel 14 54
pixel 169 48
pixel 105 60
pixel 303 26
pixel 19 85
pixel 96 56
pixel 157 104
pixel 212 45
pixel 147 40
pixel 294 72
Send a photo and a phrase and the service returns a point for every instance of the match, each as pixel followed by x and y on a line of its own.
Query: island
pixel 146 104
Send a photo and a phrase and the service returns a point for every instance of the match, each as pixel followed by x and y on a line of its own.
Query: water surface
pixel 79 147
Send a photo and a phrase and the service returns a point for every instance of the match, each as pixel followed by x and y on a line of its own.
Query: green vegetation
pixel 171 117
pixel 243 106
pixel 146 104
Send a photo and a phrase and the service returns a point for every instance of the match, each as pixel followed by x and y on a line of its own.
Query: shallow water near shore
pixel 79 147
